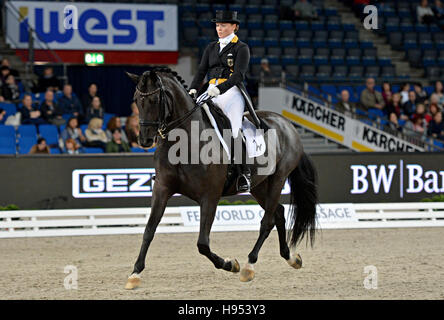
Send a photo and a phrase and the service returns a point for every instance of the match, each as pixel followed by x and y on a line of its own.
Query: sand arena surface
pixel 410 265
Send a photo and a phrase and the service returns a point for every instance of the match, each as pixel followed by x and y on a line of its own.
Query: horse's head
pixel 152 101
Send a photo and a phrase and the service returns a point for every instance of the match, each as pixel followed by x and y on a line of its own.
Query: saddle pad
pixel 254 139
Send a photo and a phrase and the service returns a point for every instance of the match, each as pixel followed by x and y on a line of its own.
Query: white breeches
pixel 232 104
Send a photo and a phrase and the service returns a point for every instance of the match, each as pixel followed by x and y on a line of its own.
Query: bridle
pixel 161 125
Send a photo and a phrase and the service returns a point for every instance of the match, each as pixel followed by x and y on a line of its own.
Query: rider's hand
pixel 213 92
pixel 192 92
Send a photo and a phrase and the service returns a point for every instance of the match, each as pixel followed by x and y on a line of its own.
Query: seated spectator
pixel 394 106
pixel 439 92
pixel 5 62
pixel 48 81
pixel 436 127
pixel 87 98
pixel 424 13
pixel 421 95
pixel 50 111
pixel 73 131
pixel 304 10
pixel 71 147
pixel 370 98
pixel 421 113
pixel 116 144
pixel 2 116
pixel 132 131
pixel 30 114
pixel 95 136
pixel 416 127
pixel 95 109
pixel 393 124
pixel 4 72
pixel 70 104
pixel 10 89
pixel 410 106
pixel 438 10
pixel 134 109
pixel 386 92
pixel 115 123
pixel 345 106
pixel 40 148
pixel 433 109
pixel 405 89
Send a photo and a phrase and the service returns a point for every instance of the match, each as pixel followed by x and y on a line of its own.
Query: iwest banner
pixel 93 26
pixel 330 123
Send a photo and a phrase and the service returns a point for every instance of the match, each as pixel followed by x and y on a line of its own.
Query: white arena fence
pixel 82 222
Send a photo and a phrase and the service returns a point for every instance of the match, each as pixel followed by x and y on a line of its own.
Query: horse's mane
pixel 175 75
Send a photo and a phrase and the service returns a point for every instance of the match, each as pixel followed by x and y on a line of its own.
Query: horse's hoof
pixel 133 282
pixel 295 261
pixel 247 273
pixel 235 267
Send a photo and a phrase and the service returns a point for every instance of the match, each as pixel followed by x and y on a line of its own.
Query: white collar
pixel 227 39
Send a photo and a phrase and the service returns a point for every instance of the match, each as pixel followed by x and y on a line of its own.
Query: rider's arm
pixel 202 71
pixel 240 69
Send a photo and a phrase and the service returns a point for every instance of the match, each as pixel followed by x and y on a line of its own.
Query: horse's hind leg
pixel 295 260
pixel 207 213
pixel 160 199
pixel 267 194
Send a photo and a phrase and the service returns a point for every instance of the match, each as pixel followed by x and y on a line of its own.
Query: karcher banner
pixel 330 123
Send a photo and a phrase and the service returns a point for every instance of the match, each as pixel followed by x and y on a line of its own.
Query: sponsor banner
pixel 93 26
pixel 252 215
pixel 116 183
pixel 330 123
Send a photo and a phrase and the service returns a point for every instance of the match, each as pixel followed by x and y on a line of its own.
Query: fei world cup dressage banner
pixel 327 214
pixel 93 26
pixel 330 123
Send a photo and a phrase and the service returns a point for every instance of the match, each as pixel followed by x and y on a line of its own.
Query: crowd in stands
pixel 410 109
pixel 81 123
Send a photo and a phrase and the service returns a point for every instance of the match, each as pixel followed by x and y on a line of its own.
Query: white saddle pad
pixel 254 139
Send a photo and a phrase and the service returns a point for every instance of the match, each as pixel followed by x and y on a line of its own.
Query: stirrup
pixel 245 186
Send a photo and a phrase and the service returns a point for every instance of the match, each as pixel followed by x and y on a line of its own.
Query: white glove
pixel 192 92
pixel 213 92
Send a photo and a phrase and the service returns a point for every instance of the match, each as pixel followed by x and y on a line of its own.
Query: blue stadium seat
pixel 50 133
pixel 54 151
pixel 7 150
pixel 26 143
pixel 9 108
pixel 93 150
pixel 138 150
pixel 7 136
pixel 27 130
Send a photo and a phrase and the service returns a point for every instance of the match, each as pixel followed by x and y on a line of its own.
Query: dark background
pixel 45 182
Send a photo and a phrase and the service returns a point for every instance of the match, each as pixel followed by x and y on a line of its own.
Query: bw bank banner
pixel 330 123
pixel 252 215
pixel 93 25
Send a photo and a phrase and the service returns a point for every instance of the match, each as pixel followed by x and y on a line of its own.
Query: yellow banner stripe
pixel 313 126
pixel 361 147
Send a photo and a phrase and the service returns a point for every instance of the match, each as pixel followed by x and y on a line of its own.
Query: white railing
pixel 77 222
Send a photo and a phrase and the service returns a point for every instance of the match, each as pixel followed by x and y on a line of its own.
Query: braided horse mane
pixel 167 70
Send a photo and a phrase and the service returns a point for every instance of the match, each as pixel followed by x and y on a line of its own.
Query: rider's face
pixel 225 29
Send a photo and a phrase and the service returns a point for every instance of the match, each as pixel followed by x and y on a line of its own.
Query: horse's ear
pixel 133 77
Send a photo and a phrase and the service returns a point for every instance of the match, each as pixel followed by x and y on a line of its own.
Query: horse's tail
pixel 304 197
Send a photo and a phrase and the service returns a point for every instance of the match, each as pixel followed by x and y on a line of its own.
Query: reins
pixel 163 128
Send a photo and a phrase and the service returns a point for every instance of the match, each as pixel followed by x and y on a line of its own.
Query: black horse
pixel 164 104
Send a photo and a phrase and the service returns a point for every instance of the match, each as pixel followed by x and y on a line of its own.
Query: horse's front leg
pixel 161 195
pixel 207 213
